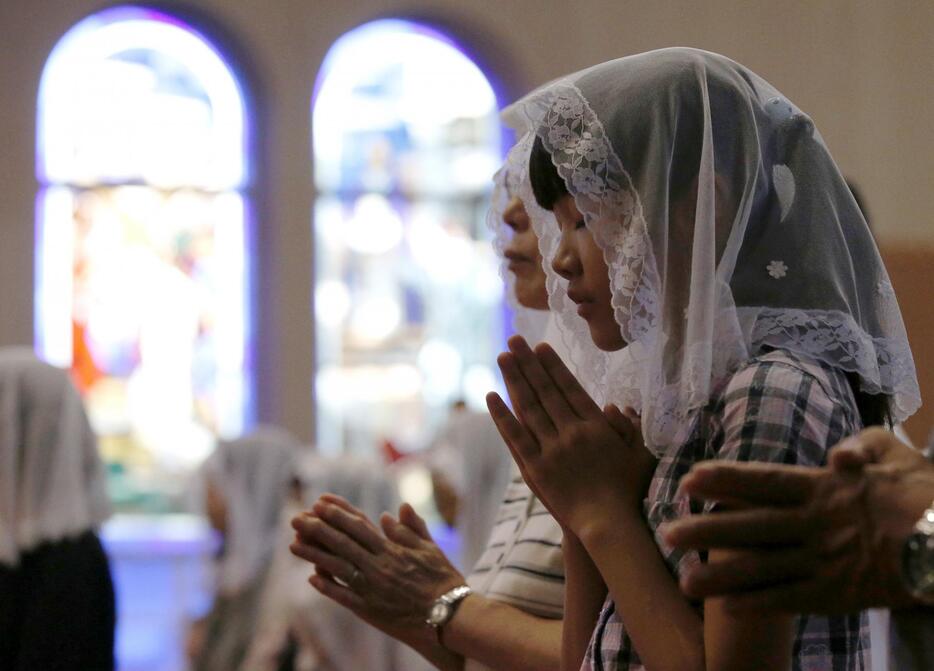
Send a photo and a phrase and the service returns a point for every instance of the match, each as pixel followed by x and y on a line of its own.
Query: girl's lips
pixel 585 310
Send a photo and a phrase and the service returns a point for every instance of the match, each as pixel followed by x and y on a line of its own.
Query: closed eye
pixel 579 224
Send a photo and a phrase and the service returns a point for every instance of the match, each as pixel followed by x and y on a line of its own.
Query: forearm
pixel 665 629
pixel 750 640
pixel 584 594
pixel 503 637
pixel 424 641
pixel 438 656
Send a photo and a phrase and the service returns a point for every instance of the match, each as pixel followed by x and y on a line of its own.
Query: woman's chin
pixel 606 339
pixel 531 295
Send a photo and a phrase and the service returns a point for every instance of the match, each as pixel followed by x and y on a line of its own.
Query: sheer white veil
pixel 52 480
pixel 531 324
pixel 774 253
pixel 559 326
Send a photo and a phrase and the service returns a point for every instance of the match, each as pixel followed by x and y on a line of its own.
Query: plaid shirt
pixel 780 408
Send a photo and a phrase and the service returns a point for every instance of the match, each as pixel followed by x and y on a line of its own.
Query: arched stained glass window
pixel 407 294
pixel 141 270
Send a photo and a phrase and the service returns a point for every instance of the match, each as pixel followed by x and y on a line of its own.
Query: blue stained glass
pixel 406 140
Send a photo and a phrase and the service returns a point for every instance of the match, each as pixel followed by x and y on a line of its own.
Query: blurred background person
pixel 469 470
pixel 299 628
pixel 57 605
pixel 246 483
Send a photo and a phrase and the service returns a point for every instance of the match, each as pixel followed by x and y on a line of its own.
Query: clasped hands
pixel 388 576
pixel 587 465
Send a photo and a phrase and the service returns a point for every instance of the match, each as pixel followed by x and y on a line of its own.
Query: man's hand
pixel 387 580
pixel 808 539
pixel 878 447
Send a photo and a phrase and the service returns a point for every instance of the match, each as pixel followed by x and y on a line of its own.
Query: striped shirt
pixel 522 563
pixel 779 408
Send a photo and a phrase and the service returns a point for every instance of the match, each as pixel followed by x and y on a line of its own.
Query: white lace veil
pixel 529 323
pixel 53 484
pixel 775 253
pixel 564 329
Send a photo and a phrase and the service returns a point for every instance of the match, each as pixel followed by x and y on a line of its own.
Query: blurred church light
pixel 404 147
pixel 374 228
pixel 142 284
pixel 332 302
pixel 479 380
pixel 374 319
pixel 441 366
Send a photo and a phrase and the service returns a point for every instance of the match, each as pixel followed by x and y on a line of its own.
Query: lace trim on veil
pixel 530 324
pixel 605 195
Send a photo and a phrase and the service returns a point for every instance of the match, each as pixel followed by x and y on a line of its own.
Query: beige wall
pixel 862 70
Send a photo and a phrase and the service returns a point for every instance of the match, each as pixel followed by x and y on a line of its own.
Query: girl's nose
pixel 566 262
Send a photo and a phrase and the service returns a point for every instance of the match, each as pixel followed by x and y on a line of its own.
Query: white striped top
pixel 522 563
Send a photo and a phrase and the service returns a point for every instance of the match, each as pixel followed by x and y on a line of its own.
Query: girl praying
pixel 698 219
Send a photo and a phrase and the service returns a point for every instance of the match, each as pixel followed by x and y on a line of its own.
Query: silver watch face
pixel 439 613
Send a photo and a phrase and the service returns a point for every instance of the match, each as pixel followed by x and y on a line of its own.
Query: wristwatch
pixel 443 608
pixel 918 559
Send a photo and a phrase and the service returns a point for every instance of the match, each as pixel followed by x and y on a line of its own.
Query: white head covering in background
pixel 52 480
pixel 775 254
pixel 469 452
pixel 364 481
pixel 327 636
pixel 253 473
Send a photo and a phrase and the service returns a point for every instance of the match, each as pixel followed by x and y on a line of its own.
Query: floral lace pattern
pixel 884 366
pixel 777 269
pixel 528 323
pixel 605 194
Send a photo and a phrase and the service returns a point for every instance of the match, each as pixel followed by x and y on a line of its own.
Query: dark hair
pixel 874 409
pixel 547 185
pixel 860 203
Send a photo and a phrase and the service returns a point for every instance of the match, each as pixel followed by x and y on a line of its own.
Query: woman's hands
pixel 585 464
pixel 388 580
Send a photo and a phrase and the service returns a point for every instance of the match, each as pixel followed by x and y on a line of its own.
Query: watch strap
pixel 918 558
pixel 451 599
pixel 453 596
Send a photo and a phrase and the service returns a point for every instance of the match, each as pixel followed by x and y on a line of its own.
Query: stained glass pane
pixel 138 97
pixel 141 269
pixel 408 295
pixel 150 318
